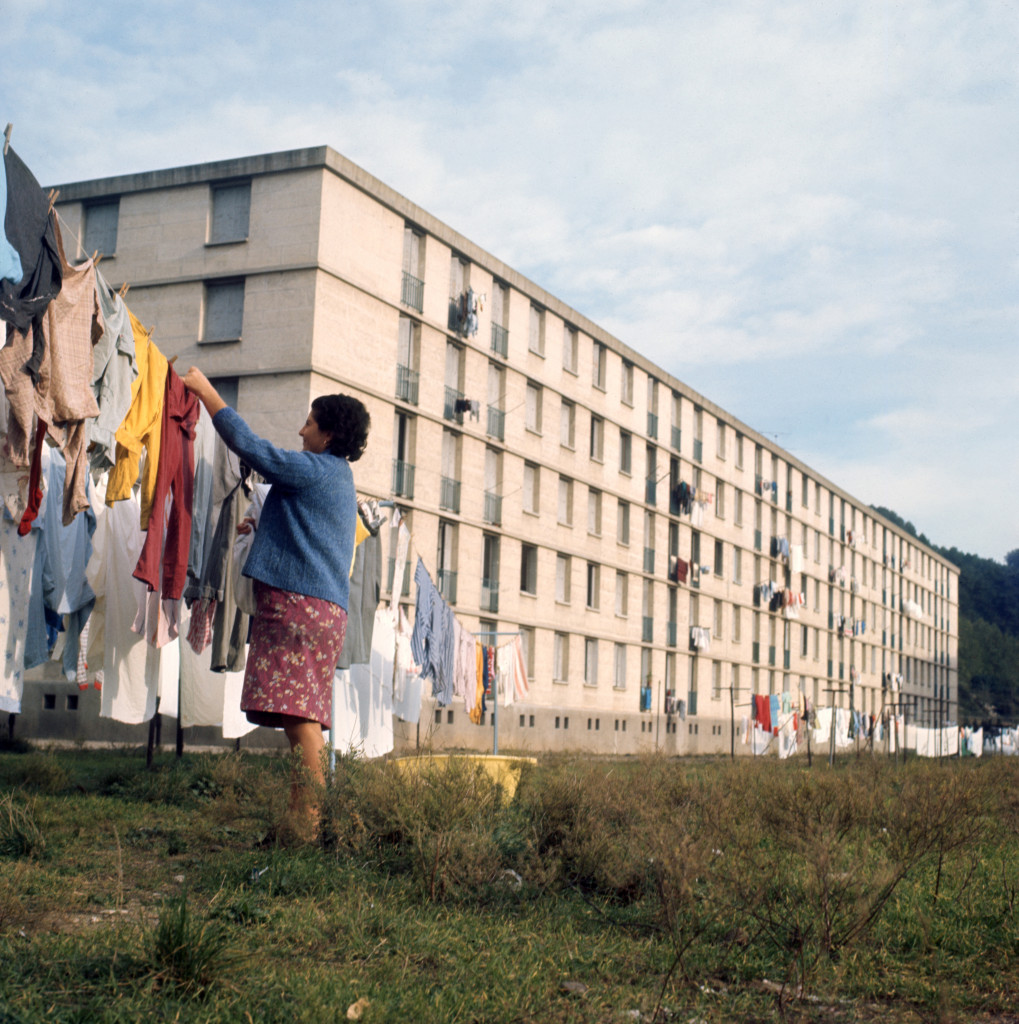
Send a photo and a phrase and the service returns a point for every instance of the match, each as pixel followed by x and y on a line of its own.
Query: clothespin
pixel 7 137
pixel 54 193
pixel 123 289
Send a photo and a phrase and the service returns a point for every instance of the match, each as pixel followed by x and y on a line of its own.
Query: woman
pixel 300 561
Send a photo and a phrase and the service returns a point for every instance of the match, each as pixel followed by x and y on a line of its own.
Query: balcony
pixel 671 633
pixel 650 490
pixel 677 436
pixel 403 479
pixel 492 513
pixel 698 450
pixel 489 595
pixel 446 583
pixel 652 425
pixel 413 292
pixel 647 631
pixel 449 494
pixel 500 340
pixel 649 559
pixel 449 405
pixel 496 423
pixel 407 384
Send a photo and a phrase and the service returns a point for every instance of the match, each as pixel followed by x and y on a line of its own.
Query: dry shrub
pixel 436 822
pixel 20 836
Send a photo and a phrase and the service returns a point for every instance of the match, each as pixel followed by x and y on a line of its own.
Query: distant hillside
pixel 988 631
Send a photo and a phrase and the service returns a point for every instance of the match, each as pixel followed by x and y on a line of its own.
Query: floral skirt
pixel 295 645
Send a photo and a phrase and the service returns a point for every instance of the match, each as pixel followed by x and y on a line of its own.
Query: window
pixel 594 512
pixel 568 424
pixel 716 680
pixel 597 438
pixel 231 209
pixel 228 388
pixel 565 501
pixel 720 439
pixel 739 450
pixel 622 593
pixel 716 619
pixel 619 679
pixel 562 579
pixel 737 512
pixel 593 581
pixel 496 425
pixel 737 565
pixel 532 482
pixel 490 573
pixel 413 287
pixel 805 490
pixel 590 661
pixel 533 402
pixel 224 311
pixel 625 452
pixel 719 566
pixel 500 305
pixel 561 658
pixel 459 277
pixel 449 483
pixel 626 383
pixel 719 500
pixel 536 331
pixel 737 624
pixel 403 455
pixel 623 523
pixel 569 348
pixel 527 644
pixel 599 357
pixel 408 343
pixel 528 568
pixel 101 221
pixel 445 560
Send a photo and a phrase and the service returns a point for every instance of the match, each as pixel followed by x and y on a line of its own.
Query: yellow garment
pixel 142 426
pixel 360 533
pixel 479 657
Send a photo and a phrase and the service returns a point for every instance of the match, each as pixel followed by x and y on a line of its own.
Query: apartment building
pixel 539 462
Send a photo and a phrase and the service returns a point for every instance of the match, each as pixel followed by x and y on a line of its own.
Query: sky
pixel 808 212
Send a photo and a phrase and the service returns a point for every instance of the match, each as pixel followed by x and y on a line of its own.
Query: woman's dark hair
pixel 347 420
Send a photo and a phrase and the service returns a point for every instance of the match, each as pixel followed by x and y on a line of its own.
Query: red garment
pixel 35 494
pixel 176 475
pixel 762 706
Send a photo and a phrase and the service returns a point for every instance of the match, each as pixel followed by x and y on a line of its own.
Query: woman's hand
pixel 198 384
pixel 246 525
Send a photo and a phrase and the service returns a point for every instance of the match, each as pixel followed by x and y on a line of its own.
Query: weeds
pixel 191 955
pixel 20 836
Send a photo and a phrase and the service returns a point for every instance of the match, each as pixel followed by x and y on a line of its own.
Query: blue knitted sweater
pixel 305 537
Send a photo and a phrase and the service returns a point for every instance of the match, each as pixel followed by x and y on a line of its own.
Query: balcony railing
pixel 447 584
pixel 449 407
pixel 413 292
pixel 500 340
pixel 647 632
pixel 403 479
pixel 449 494
pixel 407 384
pixel 496 423
pixel 652 425
pixel 493 508
pixel 489 595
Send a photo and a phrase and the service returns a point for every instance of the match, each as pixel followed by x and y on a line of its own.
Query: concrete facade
pixel 555 510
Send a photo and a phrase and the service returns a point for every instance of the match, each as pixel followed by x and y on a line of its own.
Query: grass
pixel 605 891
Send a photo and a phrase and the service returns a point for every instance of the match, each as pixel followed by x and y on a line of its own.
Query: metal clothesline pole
pixel 495 688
